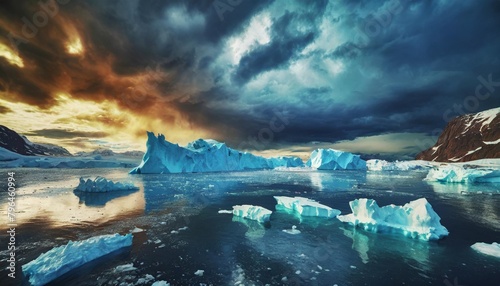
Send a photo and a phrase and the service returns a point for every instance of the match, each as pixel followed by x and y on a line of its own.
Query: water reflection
pixel 360 243
pixel 255 229
pixel 65 208
pixel 335 180
pixel 93 199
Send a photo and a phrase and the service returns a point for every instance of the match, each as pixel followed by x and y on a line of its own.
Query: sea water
pixel 185 233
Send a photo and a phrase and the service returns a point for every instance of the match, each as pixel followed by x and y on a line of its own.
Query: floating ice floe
pixel 203 156
pixel 125 268
pixel 294 230
pixel 60 260
pixel 330 159
pixel 305 207
pixel 102 185
pixel 463 174
pixel 382 165
pixel 199 272
pixel 415 219
pixel 257 213
pixel 488 249
pixel 160 283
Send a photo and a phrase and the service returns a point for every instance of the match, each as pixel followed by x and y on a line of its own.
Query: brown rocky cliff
pixel 466 138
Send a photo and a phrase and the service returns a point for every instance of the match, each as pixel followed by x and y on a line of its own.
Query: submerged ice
pixel 60 260
pixel 305 207
pixel 416 219
pixel 203 156
pixel 330 159
pixel 102 185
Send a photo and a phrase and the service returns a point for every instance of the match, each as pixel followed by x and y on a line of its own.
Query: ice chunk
pixel 137 230
pixel 161 283
pixel 257 213
pixel 202 156
pixel 382 165
pixel 415 219
pixel 330 159
pixel 306 207
pixel 101 185
pixel 125 267
pixel 65 258
pixel 199 272
pixel 463 174
pixel 488 249
pixel 294 230
pixel 225 211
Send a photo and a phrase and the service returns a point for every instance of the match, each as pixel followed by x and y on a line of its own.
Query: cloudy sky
pixel 272 77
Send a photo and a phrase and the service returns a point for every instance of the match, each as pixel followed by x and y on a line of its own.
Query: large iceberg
pixel 488 249
pixel 463 174
pixel 257 213
pixel 60 260
pixel 382 165
pixel 102 185
pixel 305 207
pixel 202 156
pixel 415 219
pixel 330 159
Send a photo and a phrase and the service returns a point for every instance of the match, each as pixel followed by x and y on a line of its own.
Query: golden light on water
pixel 11 56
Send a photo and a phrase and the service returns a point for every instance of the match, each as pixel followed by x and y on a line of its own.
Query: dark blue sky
pixel 364 76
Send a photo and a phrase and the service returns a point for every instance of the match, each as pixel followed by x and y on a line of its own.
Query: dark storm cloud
pixel 337 78
pixel 62 134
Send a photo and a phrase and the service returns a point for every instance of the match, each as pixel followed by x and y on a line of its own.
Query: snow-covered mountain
pixel 466 138
pixel 203 156
pixel 12 141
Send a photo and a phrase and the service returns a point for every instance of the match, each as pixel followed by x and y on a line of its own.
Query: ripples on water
pixel 233 250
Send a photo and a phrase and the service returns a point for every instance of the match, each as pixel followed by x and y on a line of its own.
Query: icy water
pixel 241 252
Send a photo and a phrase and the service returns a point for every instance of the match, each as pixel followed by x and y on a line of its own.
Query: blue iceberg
pixel 415 219
pixel 60 260
pixel 330 159
pixel 202 156
pixel 102 185
pixel 305 207
pixel 256 213
pixel 461 174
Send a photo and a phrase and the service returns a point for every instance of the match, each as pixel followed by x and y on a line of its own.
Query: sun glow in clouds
pixel 11 56
pixel 75 47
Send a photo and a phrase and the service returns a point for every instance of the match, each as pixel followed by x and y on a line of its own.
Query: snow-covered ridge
pixel 416 219
pixel 60 260
pixel 203 156
pixel 330 159
pixel 101 185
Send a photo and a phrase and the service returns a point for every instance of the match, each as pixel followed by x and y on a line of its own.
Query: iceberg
pixel 463 174
pixel 202 156
pixel 382 165
pixel 305 207
pixel 257 213
pixel 330 159
pixel 488 249
pixel 102 185
pixel 60 260
pixel 415 219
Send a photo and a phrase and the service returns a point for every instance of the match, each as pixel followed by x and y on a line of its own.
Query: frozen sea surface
pixel 231 251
